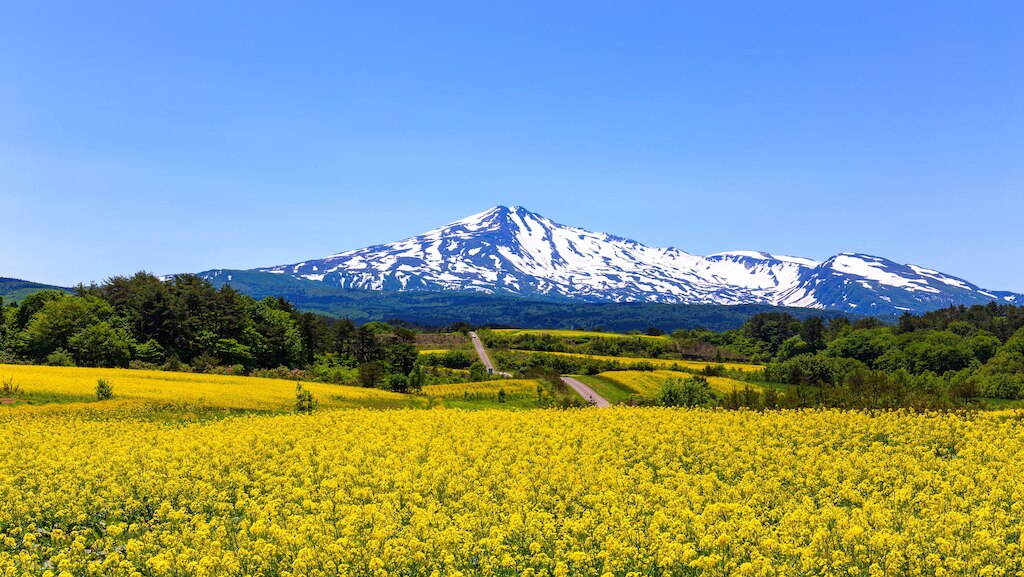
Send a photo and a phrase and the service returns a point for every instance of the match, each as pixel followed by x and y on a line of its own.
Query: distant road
pixel 586 392
pixel 482 353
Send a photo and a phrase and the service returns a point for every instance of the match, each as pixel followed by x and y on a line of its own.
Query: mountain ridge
pixel 511 250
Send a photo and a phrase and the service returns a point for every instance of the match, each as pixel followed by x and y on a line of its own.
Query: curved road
pixel 586 392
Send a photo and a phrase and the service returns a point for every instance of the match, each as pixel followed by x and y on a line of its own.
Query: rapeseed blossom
pixel 614 492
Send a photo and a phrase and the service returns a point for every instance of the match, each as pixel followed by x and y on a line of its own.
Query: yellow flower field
pixel 619 492
pixel 649 383
pixel 483 388
pixel 215 391
pixel 665 363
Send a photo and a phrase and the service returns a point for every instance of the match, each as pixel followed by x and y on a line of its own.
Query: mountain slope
pixel 15 290
pixel 440 308
pixel 515 251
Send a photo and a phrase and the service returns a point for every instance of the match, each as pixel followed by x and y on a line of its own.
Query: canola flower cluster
pixel 612 492
pixel 484 389
pixel 141 389
pixel 649 383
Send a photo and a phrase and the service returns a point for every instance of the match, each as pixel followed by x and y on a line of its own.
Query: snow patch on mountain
pixel 513 250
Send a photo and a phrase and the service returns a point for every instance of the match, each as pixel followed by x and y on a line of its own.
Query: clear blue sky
pixel 183 136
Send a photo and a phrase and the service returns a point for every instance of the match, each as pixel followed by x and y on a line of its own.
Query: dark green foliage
pixel 150 352
pixel 400 357
pixel 186 319
pixel 304 400
pixel 371 374
pixel 398 383
pixel 478 372
pixel 57 319
pixel 473 309
pixel 33 304
pixel 417 378
pixel 60 358
pixel 939 360
pixel 771 329
pixel 101 345
pixel 104 390
pixel 690 392
pixel 188 323
pixel 1000 320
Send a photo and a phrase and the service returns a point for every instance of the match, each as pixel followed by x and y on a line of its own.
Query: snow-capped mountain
pixel 513 250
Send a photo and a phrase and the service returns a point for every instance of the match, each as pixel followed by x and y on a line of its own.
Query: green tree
pixel 194 305
pixel 104 390
pixel 371 374
pixel 57 320
pixel 279 342
pixel 101 345
pixel 794 346
pixel 690 392
pixel 400 357
pixel 478 372
pixel 32 304
pixel 304 400
pixel 398 383
pixel 3 324
pixel 60 358
pixel 366 345
pixel 232 352
pixel 150 351
pixel 417 378
pixel 812 331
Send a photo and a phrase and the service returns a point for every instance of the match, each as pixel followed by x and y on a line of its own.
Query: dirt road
pixel 482 353
pixel 586 392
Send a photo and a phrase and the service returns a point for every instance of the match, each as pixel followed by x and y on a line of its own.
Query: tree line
pixel 185 323
pixel 948 356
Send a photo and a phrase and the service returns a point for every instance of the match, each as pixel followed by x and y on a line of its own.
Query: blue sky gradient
pixel 183 136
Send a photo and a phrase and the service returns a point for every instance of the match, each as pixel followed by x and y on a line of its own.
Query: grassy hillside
pixel 15 290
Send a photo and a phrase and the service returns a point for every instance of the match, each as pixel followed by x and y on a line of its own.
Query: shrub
pixel 398 383
pixel 692 392
pixel 8 388
pixel 478 372
pixel 304 400
pixel 60 358
pixel 104 390
pixel 502 395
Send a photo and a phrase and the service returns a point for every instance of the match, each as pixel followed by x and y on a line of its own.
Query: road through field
pixel 586 392
pixel 482 353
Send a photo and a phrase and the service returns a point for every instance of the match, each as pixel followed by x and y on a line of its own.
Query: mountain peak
pixel 513 250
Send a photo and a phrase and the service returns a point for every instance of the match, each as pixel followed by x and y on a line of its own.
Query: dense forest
pixel 950 355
